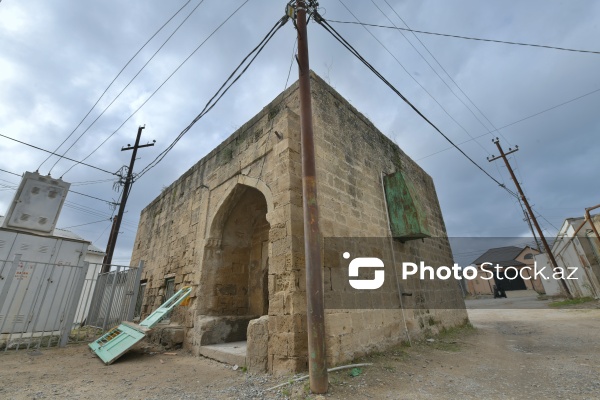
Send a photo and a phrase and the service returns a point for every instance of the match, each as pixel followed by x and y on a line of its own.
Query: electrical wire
pixel 291 64
pixel 12 173
pixel 92 197
pixel 70 191
pixel 104 231
pixel 53 153
pixel 85 183
pixel 319 18
pixel 438 75
pixel 96 213
pixel 162 84
pixel 264 159
pixel 230 81
pixel 76 207
pixel 446 72
pixel 352 50
pixel 125 88
pixel 465 37
pixel 544 218
pixel 113 81
pixel 413 78
pixel 76 226
pixel 519 121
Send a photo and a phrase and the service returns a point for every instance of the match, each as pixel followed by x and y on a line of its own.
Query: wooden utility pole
pixel 317 363
pixel 529 210
pixel 114 233
pixel 528 220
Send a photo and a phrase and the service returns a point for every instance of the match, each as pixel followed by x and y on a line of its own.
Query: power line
pixel 291 64
pixel 125 88
pixel 352 50
pixel 111 83
pixel 496 129
pixel 230 81
pixel 76 226
pixel 68 204
pixel 465 37
pixel 434 71
pixel 413 78
pixel 446 72
pixel 549 109
pixel 92 197
pixel 520 120
pixel 12 173
pixel 293 57
pixel 53 153
pixel 95 212
pixel 544 218
pixel 85 183
pixel 104 231
pixel 162 84
pixel 70 191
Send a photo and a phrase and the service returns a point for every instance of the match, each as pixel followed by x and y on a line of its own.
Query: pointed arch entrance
pixel 235 268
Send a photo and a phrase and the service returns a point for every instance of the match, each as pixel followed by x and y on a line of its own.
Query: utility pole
pixel 528 220
pixel 531 215
pixel 315 314
pixel 114 233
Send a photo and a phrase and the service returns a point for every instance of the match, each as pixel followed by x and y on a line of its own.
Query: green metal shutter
pixel 408 219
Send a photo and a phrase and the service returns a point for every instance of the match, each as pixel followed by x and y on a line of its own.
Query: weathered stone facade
pixel 232 227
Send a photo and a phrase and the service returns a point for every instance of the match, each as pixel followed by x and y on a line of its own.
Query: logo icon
pixel 365 262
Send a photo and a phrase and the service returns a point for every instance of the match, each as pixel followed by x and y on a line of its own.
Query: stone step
pixel 233 353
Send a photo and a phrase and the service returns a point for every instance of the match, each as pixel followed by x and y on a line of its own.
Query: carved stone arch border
pixel 232 196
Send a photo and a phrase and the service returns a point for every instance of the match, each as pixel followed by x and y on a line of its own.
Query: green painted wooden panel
pixel 408 219
pixel 119 340
pixel 166 307
pixel 116 342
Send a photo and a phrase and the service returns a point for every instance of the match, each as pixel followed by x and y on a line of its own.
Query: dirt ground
pixel 520 348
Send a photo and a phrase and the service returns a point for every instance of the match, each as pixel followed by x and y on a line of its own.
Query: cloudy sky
pixel 57 57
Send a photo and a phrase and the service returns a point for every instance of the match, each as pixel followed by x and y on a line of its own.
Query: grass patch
pixel 85 334
pixel 571 302
pixel 448 339
pixel 456 331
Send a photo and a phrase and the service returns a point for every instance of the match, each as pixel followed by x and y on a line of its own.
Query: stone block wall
pixel 352 155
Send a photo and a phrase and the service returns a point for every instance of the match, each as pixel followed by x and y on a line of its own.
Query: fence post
pixel 78 287
pixel 6 288
pixel 112 296
pixel 93 315
pixel 136 290
pixel 9 277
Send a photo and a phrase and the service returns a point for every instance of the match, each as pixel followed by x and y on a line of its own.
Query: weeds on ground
pixel 448 339
pixel 85 334
pixel 571 302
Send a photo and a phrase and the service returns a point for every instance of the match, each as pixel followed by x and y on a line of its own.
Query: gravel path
pixel 527 351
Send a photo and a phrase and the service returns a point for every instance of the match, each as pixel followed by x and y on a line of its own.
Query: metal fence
pixel 45 305
pixel 115 297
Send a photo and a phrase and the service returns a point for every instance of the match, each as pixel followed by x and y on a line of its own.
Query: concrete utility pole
pixel 317 363
pixel 531 215
pixel 114 233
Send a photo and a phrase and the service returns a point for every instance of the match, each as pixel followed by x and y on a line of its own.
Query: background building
pixel 504 257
